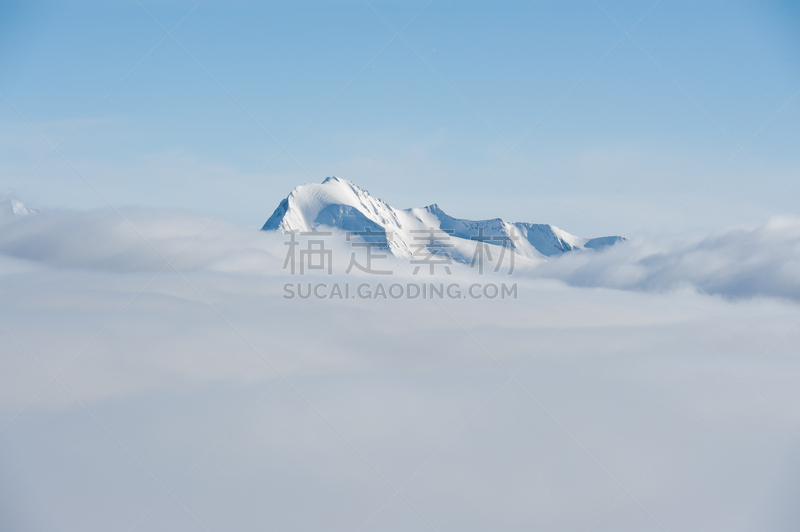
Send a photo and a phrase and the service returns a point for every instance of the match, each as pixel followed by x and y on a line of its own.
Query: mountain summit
pixel 341 204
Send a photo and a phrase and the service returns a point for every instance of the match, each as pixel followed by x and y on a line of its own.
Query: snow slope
pixel 341 204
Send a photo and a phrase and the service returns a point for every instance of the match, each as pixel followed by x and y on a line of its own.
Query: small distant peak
pixel 332 179
pixel 19 209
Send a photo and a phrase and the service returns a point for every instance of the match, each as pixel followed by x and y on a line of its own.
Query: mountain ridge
pixel 343 205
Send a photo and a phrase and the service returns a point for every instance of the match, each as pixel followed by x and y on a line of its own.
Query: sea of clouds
pixel 153 377
pixel 736 263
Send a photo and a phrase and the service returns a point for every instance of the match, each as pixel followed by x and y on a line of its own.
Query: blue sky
pixel 611 134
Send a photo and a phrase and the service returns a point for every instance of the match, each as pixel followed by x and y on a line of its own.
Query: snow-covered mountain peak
pixel 343 205
pixel 17 208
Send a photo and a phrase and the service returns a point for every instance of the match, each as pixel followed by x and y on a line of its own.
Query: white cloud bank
pixel 615 390
pixel 760 261
pixel 740 262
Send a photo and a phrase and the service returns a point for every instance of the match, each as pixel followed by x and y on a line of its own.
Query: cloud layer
pixel 173 379
pixel 760 261
pixel 739 262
